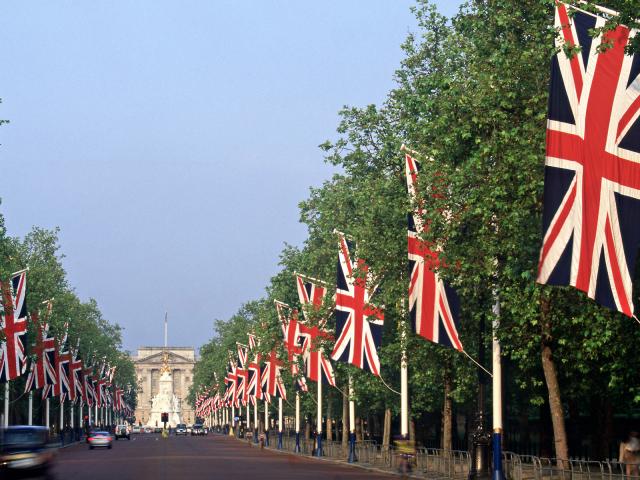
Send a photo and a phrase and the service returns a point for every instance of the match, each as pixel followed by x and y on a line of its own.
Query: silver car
pixel 100 439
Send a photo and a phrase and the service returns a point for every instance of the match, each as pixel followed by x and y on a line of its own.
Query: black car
pixel 122 431
pixel 197 429
pixel 25 451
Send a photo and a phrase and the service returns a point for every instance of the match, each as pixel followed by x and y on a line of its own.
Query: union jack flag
pixel 62 357
pixel 358 323
pixel 318 366
pixel 242 372
pixel 291 332
pixel 592 175
pixel 433 305
pixel 42 371
pixel 13 326
pixel 254 389
pixel 231 381
pixel 271 380
pixel 76 389
pixel 88 392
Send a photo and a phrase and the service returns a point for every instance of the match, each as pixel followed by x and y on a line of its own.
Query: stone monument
pixel 165 401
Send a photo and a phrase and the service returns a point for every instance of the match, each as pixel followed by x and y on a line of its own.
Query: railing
pixel 432 463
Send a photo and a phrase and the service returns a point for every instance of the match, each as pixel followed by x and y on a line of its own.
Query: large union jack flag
pixel 13 326
pixel 62 357
pixel 254 389
pixel 75 376
pixel 592 175
pixel 358 323
pixel 271 379
pixel 433 305
pixel 42 371
pixel 317 365
pixel 291 332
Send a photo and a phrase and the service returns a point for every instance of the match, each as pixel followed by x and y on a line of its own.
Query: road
pixel 147 456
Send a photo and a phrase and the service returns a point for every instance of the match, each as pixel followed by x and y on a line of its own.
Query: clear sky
pixel 171 141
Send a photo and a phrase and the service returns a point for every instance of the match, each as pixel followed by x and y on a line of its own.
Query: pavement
pixel 148 456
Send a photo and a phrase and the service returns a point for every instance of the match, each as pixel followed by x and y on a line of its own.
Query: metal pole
pixel 279 423
pixel 46 413
pixel 352 424
pixel 233 420
pixel 30 422
pixel 6 405
pixel 297 447
pixel 266 423
pixel 60 427
pixel 255 422
pixel 71 415
pixel 404 386
pixel 319 420
pixel 248 412
pixel 497 394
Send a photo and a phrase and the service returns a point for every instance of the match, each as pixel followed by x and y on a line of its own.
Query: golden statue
pixel 165 363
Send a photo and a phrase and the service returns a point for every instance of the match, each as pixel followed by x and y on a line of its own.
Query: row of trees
pixel 98 339
pixel 471 97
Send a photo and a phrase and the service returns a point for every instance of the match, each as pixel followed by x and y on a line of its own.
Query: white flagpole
pixel 279 423
pixel 497 393
pixel 46 413
pixel 233 419
pixel 6 405
pixel 255 422
pixel 30 422
pixel 404 385
pixel 352 424
pixel 319 418
pixel 248 411
pixel 266 422
pixel 60 427
pixel 81 406
pixel 297 448
pixel 71 419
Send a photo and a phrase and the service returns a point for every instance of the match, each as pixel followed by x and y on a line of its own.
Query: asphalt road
pixel 147 456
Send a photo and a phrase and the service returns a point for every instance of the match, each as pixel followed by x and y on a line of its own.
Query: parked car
pixel 100 439
pixel 135 429
pixel 189 427
pixel 148 430
pixel 181 429
pixel 197 430
pixel 122 431
pixel 25 452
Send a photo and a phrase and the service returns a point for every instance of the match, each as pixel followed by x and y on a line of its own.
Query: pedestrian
pixel 630 455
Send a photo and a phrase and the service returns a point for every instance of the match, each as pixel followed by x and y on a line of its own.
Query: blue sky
pixel 171 141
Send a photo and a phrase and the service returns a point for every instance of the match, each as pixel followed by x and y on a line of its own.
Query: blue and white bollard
pixel 297 447
pixel 352 448
pixel 319 444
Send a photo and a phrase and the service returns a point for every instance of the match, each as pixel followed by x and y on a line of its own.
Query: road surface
pixel 147 456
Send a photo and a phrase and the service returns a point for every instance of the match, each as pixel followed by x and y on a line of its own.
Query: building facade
pixel 148 363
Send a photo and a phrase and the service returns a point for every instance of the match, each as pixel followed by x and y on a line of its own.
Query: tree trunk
pixel 345 419
pixel 358 429
pixel 386 433
pixel 551 378
pixel 447 412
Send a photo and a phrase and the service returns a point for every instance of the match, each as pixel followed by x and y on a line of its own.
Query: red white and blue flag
pixel 358 323
pixel 75 376
pixel 254 389
pixel 42 371
pixel 317 365
pixel 13 327
pixel 292 341
pixel 433 304
pixel 271 380
pixel 62 357
pixel 591 218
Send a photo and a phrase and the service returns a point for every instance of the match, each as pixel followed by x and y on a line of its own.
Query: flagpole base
pixel 352 448
pixel 497 473
pixel 319 452
pixel 297 447
pixel 279 440
pixel 266 438
pixel 255 435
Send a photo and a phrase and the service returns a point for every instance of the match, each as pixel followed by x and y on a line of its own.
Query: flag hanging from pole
pixel 358 323
pixel 433 304
pixel 591 220
pixel 42 371
pixel 292 342
pixel 13 325
pixel 317 365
